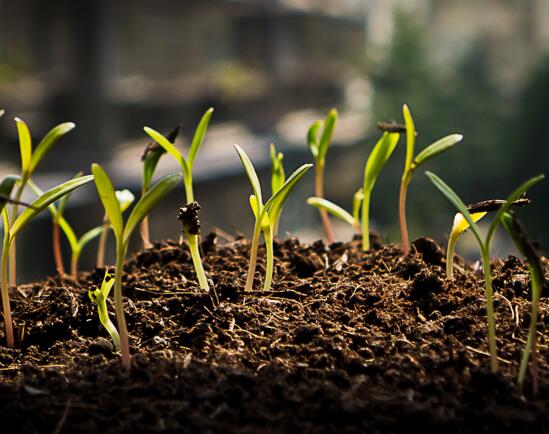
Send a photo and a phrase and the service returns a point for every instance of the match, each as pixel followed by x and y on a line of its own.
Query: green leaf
pixel 199 137
pixel 509 202
pixel 47 142
pixel 108 199
pixel 274 205
pixel 69 233
pixel 457 202
pixel 252 175
pixel 89 236
pixel 149 201
pixel 312 138
pixel 327 132
pixel 38 191
pixel 437 147
pixel 357 201
pixel 277 169
pixel 169 147
pixel 6 187
pixel 25 146
pixel 378 157
pixel 63 201
pixel 46 200
pixel 332 208
pixel 410 137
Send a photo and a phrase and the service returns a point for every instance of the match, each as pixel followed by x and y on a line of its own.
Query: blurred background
pixel 270 68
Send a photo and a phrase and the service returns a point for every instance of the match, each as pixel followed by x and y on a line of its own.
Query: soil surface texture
pixel 345 342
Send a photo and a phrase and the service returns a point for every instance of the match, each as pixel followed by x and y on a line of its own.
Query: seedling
pixel 150 159
pixel 485 245
pixel 278 177
pixel 125 199
pixel 30 159
pixel 537 277
pixel 319 149
pixel 460 225
pixel 123 232
pixel 412 163
pixel 265 216
pixel 376 160
pixel 188 215
pixel 99 297
pixel 12 229
pixel 187 171
pixel 59 222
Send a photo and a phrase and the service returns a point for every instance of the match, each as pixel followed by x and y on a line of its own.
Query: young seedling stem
pixel 484 245
pixel 188 215
pixel 412 163
pixel 319 149
pixel 99 297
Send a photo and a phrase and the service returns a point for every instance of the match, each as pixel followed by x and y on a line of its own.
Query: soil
pixel 346 342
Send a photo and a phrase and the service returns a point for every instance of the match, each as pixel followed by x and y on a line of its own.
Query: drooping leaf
pixel 69 233
pixel 252 175
pixel 312 138
pixel 89 236
pixel 332 208
pixel 378 157
pixel 25 146
pixel 149 201
pixel 327 132
pixel 457 202
pixel 46 200
pixel 277 169
pixel 6 187
pixel 198 137
pixel 523 188
pixel 274 205
pixel 410 136
pixel 108 199
pixel 437 148
pixel 47 143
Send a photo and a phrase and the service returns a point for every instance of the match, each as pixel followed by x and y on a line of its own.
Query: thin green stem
pixel 253 256
pixel 366 222
pixel 107 323
pixel 450 255
pixel 13 248
pixel 268 235
pixel 189 193
pixel 74 264
pixel 198 267
pixel 119 305
pixel 489 294
pixel 144 226
pixel 402 214
pixel 8 323
pixel 319 192
pixel 102 244
pixel 530 343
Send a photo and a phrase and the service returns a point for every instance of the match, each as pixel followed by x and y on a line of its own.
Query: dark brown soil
pixel 346 342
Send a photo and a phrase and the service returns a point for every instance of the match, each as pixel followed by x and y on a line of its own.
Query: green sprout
pixel 460 225
pixel 412 163
pixel 485 245
pixel 265 216
pixel 123 232
pixel 30 159
pixel 186 165
pixel 537 277
pixel 278 177
pixel 125 199
pixel 319 149
pixel 150 159
pixel 12 229
pixel 376 160
pixel 99 297
pixel 59 222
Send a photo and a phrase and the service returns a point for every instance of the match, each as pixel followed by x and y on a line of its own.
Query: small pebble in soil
pixel 100 346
